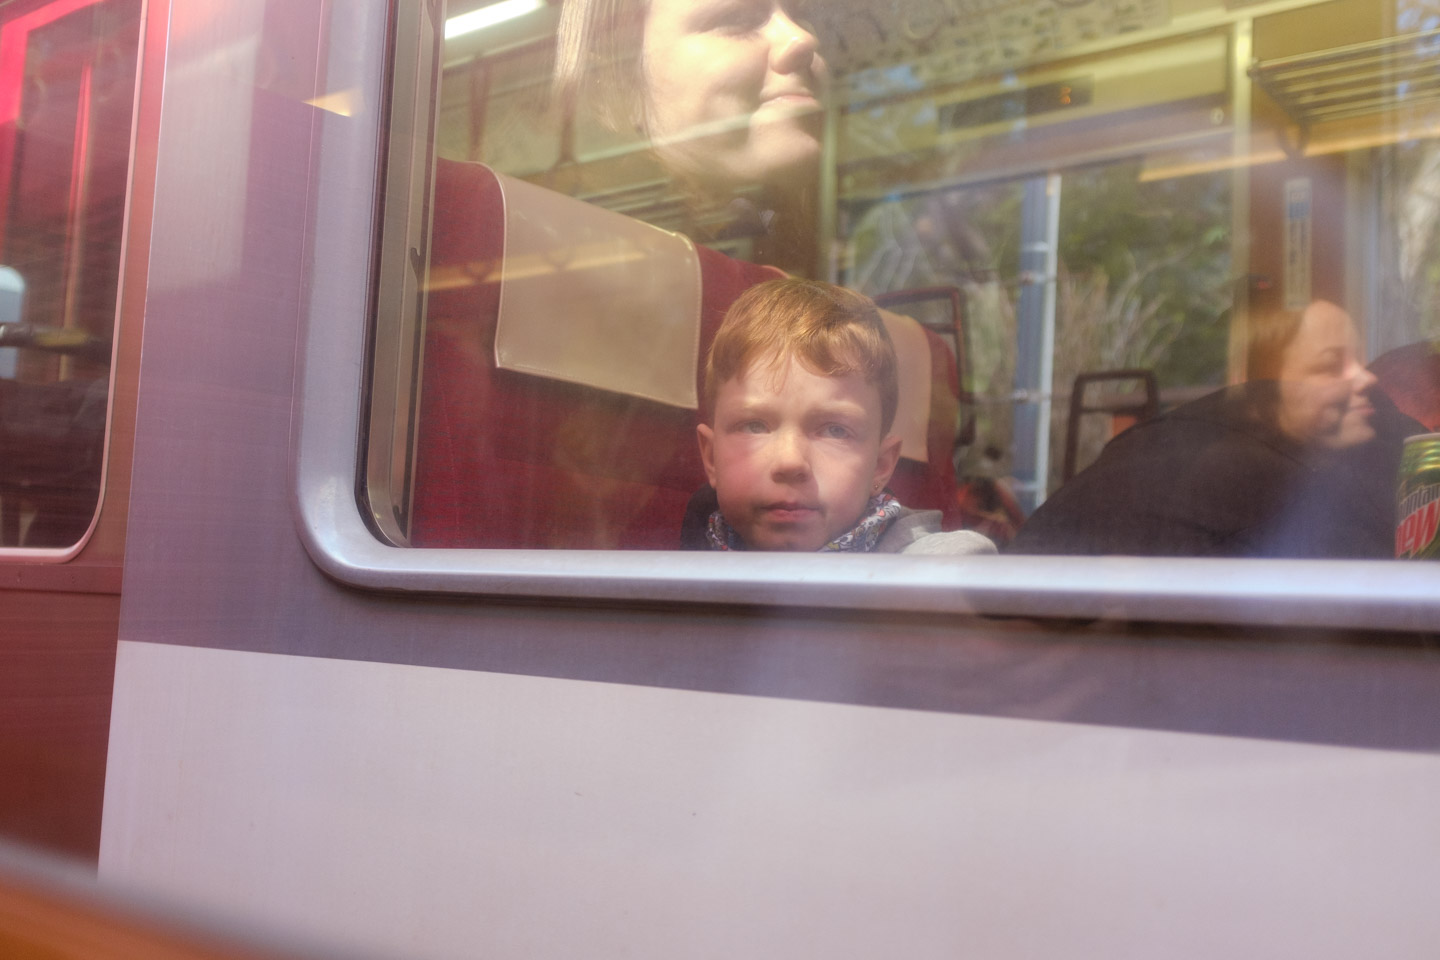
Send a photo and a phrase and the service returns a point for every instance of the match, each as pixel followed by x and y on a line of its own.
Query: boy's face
pixel 794 456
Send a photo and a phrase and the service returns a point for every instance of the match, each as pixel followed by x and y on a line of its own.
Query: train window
pixel 67 87
pixel 1133 258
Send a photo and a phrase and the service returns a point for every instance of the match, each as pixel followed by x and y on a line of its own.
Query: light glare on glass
pixel 489 16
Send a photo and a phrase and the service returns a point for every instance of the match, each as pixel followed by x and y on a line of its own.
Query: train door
pixel 73 226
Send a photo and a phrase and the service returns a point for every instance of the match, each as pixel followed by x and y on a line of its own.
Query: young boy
pixel 801 391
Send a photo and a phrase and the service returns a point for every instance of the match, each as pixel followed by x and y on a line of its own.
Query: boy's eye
pixel 751 426
pixel 835 431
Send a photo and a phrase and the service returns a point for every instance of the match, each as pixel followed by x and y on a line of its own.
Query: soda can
pixel 1417 502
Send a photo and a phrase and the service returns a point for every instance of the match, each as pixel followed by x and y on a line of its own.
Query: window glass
pixel 1139 256
pixel 67 83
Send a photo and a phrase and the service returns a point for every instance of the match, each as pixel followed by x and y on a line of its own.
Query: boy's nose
pixel 789 457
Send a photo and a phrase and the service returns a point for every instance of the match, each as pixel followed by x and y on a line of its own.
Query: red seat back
pixel 1410 376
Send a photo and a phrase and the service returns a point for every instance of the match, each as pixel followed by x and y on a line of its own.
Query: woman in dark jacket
pixel 1300 461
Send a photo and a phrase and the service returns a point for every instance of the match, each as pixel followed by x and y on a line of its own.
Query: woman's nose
pixel 1361 379
pixel 792 47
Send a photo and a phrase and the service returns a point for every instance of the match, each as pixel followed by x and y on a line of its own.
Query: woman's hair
pixel 598 44
pixel 1271 329
pixel 831 330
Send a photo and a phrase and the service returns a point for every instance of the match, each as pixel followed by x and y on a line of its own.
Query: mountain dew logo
pixel 1419 515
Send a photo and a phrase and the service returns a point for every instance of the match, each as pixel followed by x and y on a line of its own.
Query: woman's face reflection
pixel 733 90
pixel 1323 386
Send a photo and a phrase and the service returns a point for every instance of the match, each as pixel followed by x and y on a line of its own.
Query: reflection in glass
pixel 67 72
pixel 1091 176
pixel 726 95
pixel 1136 288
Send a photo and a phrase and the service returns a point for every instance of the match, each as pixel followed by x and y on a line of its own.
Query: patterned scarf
pixel 879 512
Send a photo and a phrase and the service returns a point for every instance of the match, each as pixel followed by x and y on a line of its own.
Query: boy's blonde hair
pixel 831 330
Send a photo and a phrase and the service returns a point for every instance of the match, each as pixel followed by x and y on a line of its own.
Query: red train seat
pixel 1410 376
pixel 509 458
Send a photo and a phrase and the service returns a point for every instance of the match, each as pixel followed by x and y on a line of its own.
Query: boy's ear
pixel 706 435
pixel 885 463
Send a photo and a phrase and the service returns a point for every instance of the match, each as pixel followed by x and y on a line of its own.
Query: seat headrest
pixel 596 298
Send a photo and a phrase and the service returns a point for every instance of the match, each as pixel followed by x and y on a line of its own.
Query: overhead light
pixel 489 16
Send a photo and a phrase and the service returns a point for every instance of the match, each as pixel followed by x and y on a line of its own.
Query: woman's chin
pixel 788 161
pixel 787 158
pixel 1352 432
pixel 1356 434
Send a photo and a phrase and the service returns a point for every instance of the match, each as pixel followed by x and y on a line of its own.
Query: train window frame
pixel 331 413
pixel 20 554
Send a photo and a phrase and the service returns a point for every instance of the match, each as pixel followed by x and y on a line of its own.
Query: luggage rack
pixel 1358 80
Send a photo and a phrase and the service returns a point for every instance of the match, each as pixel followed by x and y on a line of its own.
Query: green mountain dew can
pixel 1417 510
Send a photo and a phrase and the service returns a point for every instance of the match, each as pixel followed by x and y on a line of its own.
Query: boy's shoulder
pixel 918 532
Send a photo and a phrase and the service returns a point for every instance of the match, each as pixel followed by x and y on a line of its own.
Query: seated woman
pixel 1299 461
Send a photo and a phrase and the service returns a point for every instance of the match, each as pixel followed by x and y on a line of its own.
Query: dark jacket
pixel 1215 478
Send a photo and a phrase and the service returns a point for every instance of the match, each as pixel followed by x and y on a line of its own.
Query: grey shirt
pixel 918 532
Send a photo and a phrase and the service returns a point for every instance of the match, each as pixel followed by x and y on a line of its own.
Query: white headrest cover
pixel 593 297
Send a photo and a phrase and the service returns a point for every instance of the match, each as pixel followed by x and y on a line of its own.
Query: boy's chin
pixel 786 541
pixel 787 544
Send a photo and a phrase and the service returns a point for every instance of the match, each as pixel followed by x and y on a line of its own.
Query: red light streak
pixel 14 39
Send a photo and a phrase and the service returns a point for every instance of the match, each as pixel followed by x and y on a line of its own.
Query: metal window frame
pixel 144 47
pixel 329 414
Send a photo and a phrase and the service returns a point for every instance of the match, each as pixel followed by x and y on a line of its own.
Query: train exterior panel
pixel 457 753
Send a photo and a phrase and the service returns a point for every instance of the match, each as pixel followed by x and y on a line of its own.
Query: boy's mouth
pixel 788 512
